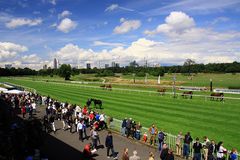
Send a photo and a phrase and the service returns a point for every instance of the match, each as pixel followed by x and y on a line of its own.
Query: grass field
pixel 219 121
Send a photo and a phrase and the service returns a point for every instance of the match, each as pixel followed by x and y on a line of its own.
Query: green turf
pixel 219 121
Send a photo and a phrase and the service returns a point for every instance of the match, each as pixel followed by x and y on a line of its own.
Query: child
pixel 145 137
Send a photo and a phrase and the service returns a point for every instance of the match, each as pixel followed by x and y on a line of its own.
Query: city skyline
pixel 78 32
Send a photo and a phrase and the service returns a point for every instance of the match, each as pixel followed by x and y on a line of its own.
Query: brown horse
pixel 217 96
pixel 187 94
pixel 161 91
pixel 108 87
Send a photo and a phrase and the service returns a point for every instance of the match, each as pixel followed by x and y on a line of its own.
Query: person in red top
pixel 91 117
pixel 87 150
pixel 84 111
pixel 23 108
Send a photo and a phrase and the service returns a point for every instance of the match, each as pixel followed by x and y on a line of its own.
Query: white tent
pixel 14 91
pixel 3 89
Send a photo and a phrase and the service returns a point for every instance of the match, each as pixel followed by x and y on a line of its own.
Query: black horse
pixel 97 102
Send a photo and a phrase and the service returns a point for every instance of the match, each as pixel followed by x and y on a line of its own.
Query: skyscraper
pixel 88 66
pixel 55 63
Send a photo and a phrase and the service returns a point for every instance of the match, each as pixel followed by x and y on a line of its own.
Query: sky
pixel 76 32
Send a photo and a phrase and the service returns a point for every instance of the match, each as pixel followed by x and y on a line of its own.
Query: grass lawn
pixel 219 121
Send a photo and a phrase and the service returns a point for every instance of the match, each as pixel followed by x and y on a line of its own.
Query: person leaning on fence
pixel 197 147
pixel 145 137
pixel 138 131
pixel 221 151
pixel 153 132
pixel 186 147
pixel 205 144
pixel 128 127
pixel 233 155
pixel 179 140
pixel 123 129
pixel 161 137
pixel 211 150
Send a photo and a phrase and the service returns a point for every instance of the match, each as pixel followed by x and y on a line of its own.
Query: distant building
pixel 44 66
pixel 117 65
pixel 88 66
pixel 106 65
pixel 55 63
pixel 8 66
pixel 113 64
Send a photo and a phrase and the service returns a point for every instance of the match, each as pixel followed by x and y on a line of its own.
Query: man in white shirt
pixel 80 130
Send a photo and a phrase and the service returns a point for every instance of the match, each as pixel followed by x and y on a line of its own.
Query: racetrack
pixel 219 121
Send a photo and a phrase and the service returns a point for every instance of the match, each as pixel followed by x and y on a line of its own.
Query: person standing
pixel 161 136
pixel 109 145
pixel 164 152
pixel 179 140
pixel 221 151
pixel 51 120
pixel 186 147
pixel 135 157
pixel 23 110
pixel 123 129
pixel 80 130
pixel 206 143
pixel 125 154
pixel 197 147
pixel 153 132
pixel 211 150
pixel 233 155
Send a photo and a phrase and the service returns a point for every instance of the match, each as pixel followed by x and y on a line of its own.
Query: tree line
pixel 189 67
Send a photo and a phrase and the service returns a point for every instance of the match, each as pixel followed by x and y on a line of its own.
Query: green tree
pixel 187 66
pixel 65 71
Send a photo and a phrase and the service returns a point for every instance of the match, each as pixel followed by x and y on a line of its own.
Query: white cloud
pixel 18 22
pixel 176 22
pixel 9 50
pixel 169 52
pixel 126 26
pixel 30 59
pixel 100 43
pixel 112 7
pixel 65 13
pixel 66 25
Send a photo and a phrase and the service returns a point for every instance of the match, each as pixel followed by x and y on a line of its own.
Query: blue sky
pixel 33 32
